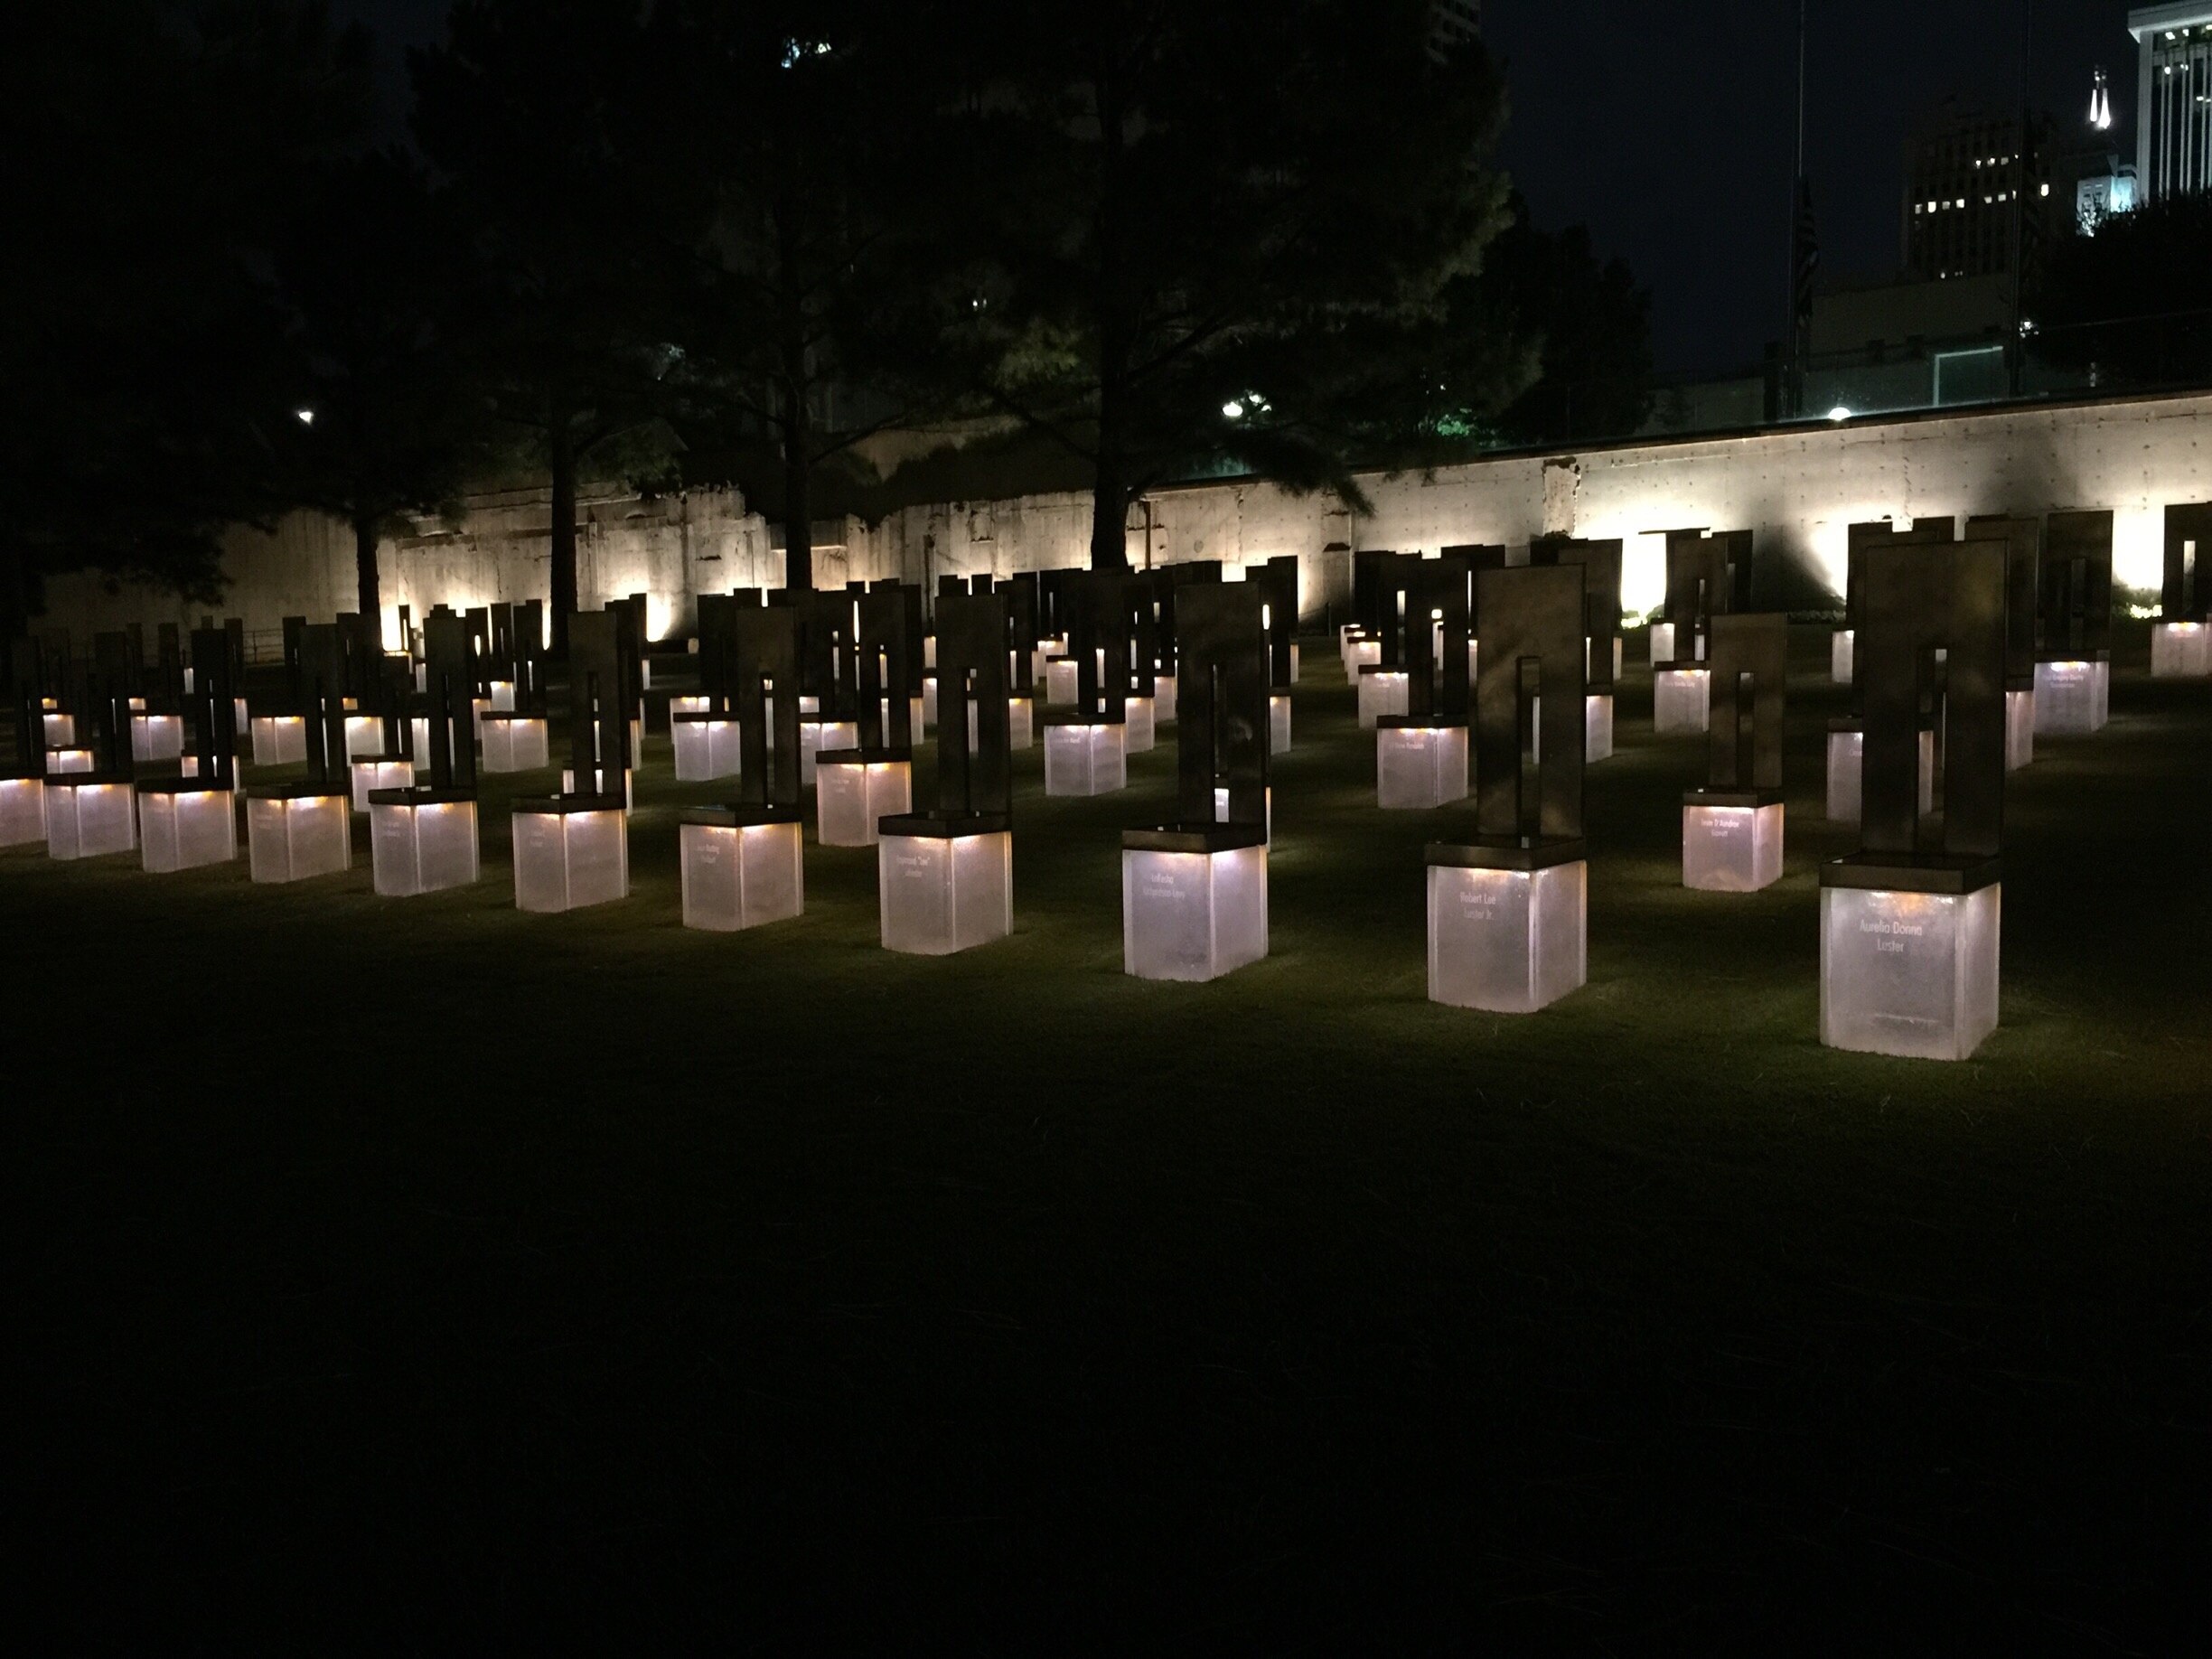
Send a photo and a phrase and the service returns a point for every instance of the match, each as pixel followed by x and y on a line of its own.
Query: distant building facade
pixel 2173 103
pixel 1973 180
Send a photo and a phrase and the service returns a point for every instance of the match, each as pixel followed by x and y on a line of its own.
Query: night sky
pixel 1667 127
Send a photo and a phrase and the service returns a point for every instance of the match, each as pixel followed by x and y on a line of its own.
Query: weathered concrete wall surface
pixel 1798 490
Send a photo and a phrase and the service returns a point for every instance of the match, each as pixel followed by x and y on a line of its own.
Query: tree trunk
pixel 365 573
pixel 1109 499
pixel 564 572
pixel 798 425
pixel 1110 492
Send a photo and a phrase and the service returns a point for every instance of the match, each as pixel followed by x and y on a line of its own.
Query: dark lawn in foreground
pixel 422 1273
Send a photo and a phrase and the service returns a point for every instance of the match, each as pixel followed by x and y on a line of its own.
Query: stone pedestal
pixel 1846 751
pixel 182 827
pixel 278 739
pixel 2019 728
pixel 422 841
pixel 1194 902
pixel 296 835
pixel 1842 646
pixel 380 774
pixel 1383 692
pixel 23 812
pixel 944 884
pixel 741 868
pixel 1908 969
pixel 570 851
pixel 2181 650
pixel 90 818
pixel 1598 726
pixel 1084 760
pixel 706 746
pixel 1419 767
pixel 1732 840
pixel 1507 926
pixel 854 788
pixel 1680 700
pixel 156 737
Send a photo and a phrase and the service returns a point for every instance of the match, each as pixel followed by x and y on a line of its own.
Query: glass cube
pixel 157 737
pixel 1598 726
pixel 370 774
pixel 2181 650
pixel 1662 642
pixel 850 797
pixel 1841 645
pixel 736 876
pixel 1911 974
pixel 1507 942
pixel 65 763
pixel 941 894
pixel 2020 729
pixel 1680 701
pixel 1279 723
pixel 567 860
pixel 364 737
pixel 277 738
pixel 422 846
pixel 1731 848
pixel 60 730
pixel 23 812
pixel 514 744
pixel 1137 734
pixel 1059 681
pixel 1846 754
pixel 1381 691
pixel 90 821
pixel 1084 760
pixel 1418 767
pixel 2065 699
pixel 184 828
pixel 295 837
pixel 1193 916
pixel 706 747
pixel 815 734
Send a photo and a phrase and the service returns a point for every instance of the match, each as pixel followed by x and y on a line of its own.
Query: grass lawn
pixel 420 1274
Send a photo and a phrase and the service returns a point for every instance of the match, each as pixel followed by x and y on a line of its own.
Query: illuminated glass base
pixel 1507 942
pixel 156 737
pixel 1279 722
pixel 941 894
pixel 1681 701
pixel 1842 646
pixel 569 860
pixel 184 829
pixel 278 739
pixel 515 743
pixel 23 812
pixel 815 734
pixel 1084 760
pixel 1731 848
pixel 60 730
pixel 1381 691
pixel 1419 767
pixel 299 837
pixel 423 847
pixel 706 747
pixel 1598 726
pixel 364 737
pixel 1846 754
pixel 851 796
pixel 2071 698
pixel 740 876
pixel 370 774
pixel 1059 681
pixel 2020 729
pixel 1193 916
pixel 1910 974
pixel 2181 650
pixel 1661 643
pixel 1163 699
pixel 90 821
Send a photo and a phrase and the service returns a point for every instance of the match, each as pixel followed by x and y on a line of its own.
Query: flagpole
pixel 1793 387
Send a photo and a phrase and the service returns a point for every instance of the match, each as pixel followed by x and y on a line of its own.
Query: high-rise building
pixel 1970 180
pixel 2173 101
